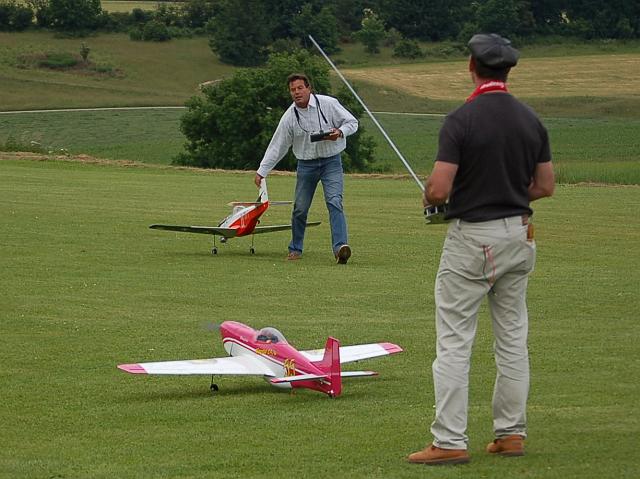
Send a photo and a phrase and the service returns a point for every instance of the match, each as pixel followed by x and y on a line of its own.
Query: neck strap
pixel 491 85
pixel 318 110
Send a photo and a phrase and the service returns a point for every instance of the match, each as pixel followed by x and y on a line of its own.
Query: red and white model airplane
pixel 267 353
pixel 242 221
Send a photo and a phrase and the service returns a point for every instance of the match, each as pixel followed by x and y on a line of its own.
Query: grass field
pixel 585 150
pixel 86 285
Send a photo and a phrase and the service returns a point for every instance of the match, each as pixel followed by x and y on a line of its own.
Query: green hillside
pixel 143 73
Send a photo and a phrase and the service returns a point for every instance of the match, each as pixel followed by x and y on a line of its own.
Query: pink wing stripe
pixel 132 368
pixel 391 348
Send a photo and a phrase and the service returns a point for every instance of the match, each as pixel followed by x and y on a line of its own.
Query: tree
pixel 511 18
pixel 321 25
pixel 603 18
pixel 241 32
pixel 372 31
pixel 198 12
pixel 73 15
pixel 232 125
pixel 425 20
pixel 14 16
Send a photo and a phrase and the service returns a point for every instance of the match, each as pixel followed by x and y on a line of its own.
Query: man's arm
pixel 345 121
pixel 439 183
pixel 280 143
pixel 543 183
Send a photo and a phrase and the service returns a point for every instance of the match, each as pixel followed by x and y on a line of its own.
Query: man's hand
pixel 425 201
pixel 438 186
pixel 335 134
pixel 258 179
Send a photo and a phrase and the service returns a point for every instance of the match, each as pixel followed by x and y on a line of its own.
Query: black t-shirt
pixel 496 141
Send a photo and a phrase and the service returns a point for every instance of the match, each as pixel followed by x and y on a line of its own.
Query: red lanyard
pixel 491 85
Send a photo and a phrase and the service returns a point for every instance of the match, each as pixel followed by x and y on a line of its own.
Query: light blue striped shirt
pixel 291 132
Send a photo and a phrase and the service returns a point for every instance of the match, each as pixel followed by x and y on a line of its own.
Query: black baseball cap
pixel 493 51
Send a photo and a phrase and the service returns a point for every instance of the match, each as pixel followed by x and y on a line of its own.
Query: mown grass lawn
pixel 86 285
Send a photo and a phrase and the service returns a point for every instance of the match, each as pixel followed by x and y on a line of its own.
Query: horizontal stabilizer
pixel 270 229
pixel 280 203
pixel 357 374
pixel 243 203
pixel 358 352
pixel 299 377
pixel 210 230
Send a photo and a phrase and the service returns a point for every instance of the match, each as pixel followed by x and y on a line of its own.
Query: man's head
pixel 492 56
pixel 300 89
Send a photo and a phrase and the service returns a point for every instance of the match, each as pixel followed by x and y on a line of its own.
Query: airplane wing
pixel 350 354
pixel 210 230
pixel 269 229
pixel 236 365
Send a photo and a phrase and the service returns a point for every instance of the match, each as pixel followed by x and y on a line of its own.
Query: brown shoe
pixel 436 456
pixel 293 256
pixel 343 254
pixel 507 446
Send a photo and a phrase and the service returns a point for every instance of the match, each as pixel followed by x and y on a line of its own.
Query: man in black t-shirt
pixel 493 159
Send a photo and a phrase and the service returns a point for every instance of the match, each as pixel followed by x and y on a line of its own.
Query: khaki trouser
pixel 492 259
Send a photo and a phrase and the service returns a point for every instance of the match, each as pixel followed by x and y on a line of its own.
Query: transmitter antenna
pixel 373 118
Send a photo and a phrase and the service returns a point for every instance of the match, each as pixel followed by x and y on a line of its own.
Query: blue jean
pixel 309 173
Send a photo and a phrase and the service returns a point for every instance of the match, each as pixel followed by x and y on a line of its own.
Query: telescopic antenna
pixel 373 118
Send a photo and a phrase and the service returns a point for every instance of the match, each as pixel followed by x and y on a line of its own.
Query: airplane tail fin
pixel 331 364
pixel 263 197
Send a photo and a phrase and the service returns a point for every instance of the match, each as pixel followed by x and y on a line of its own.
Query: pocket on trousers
pixel 529 254
pixel 463 257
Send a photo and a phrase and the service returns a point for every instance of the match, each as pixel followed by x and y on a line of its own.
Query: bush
pixel 392 37
pixel 408 49
pixel 155 31
pixel 177 32
pixel 231 126
pixel 14 17
pixel 135 34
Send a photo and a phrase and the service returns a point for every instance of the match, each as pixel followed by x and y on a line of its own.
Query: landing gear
pixel 252 250
pixel 213 387
pixel 214 250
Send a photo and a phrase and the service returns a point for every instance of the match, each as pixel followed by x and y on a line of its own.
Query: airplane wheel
pixel 253 251
pixel 214 251
pixel 214 388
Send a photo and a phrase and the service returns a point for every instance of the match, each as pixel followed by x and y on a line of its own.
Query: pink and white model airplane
pixel 242 221
pixel 267 353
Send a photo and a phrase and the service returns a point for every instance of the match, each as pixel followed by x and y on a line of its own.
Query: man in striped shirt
pixel 316 127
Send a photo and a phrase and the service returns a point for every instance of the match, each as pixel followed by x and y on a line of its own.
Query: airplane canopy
pixel 270 335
